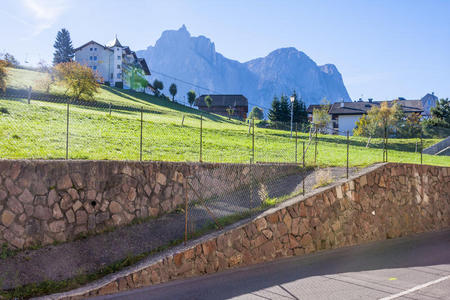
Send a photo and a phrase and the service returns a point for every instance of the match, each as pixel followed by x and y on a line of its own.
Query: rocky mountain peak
pixel 194 59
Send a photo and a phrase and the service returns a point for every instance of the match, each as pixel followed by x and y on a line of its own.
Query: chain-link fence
pixel 47 127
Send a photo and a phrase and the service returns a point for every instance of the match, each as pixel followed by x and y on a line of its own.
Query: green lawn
pixel 38 130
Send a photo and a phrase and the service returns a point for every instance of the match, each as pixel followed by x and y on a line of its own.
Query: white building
pixel 117 65
pixel 344 115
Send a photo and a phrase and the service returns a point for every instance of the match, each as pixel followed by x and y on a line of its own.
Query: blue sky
pixel 383 48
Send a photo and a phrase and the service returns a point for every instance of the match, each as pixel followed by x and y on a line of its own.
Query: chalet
pixel 226 105
pixel 117 65
pixel 345 114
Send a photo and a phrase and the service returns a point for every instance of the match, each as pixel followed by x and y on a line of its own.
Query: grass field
pixel 38 130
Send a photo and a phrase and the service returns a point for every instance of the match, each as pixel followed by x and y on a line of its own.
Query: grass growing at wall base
pixel 52 287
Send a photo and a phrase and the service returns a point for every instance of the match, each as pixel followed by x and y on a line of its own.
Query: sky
pixel 384 49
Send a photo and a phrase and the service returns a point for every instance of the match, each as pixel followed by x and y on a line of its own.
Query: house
pixel 237 105
pixel 344 115
pixel 116 65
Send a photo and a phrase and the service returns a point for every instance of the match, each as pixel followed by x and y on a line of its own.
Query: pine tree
pixel 285 109
pixel 274 112
pixel 299 107
pixel 64 49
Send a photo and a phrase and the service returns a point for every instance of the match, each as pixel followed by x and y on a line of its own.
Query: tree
pixel 173 90
pixel 378 121
pixel 274 111
pixel 134 76
pixel 285 109
pixel 230 111
pixel 191 97
pixel 80 81
pixel 43 66
pixel 321 118
pixel 257 113
pixel 158 86
pixel 439 124
pixel 3 74
pixel 208 101
pixel 64 50
pixel 299 110
pixel 10 59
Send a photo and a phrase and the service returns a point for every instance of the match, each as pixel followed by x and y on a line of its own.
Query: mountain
pixel 180 58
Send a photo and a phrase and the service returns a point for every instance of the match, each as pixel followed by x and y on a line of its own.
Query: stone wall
pixel 390 201
pixel 46 201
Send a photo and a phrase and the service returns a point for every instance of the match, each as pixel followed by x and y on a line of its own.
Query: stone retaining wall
pixel 46 201
pixel 391 201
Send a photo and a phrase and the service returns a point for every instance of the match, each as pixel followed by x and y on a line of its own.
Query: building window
pixel 90 57
pixel 118 57
pixel 95 67
pixel 119 75
pixel 90 49
pixel 95 57
pixel 118 66
pixel 118 49
pixel 95 49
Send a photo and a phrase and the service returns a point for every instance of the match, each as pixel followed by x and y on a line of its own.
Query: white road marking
pixel 416 288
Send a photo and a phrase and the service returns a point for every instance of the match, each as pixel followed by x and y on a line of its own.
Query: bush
pixel 81 81
pixel 119 85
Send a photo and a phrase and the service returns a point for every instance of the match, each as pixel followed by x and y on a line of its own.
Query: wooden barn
pixel 223 105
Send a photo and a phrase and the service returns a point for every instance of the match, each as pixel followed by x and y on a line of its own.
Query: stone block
pixel 52 197
pixel 42 213
pixel 77 205
pixel 26 197
pixel 57 214
pixel 7 217
pixel 81 217
pixel 64 182
pixel 115 207
pixel 57 226
pixel 15 205
pixel 161 178
pixel 70 215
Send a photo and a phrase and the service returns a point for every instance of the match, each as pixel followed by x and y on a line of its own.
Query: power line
pixel 201 87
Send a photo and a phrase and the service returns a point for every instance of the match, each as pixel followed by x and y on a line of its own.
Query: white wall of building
pixel 347 122
pixel 97 58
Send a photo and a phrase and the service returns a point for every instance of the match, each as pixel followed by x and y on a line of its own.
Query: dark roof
pixel 223 100
pixel 312 107
pixel 144 66
pixel 361 107
pixel 92 42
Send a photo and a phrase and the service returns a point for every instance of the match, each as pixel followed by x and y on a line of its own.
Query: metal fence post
pixel 201 137
pixel 253 140
pixel 67 131
pixel 296 141
pixel 303 158
pixel 140 148
pixel 421 146
pixel 348 145
pixel 315 149
pixel 29 94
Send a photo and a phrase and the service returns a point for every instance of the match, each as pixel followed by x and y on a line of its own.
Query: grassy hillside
pixel 38 130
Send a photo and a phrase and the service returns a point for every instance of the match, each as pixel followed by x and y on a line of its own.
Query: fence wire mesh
pixel 49 127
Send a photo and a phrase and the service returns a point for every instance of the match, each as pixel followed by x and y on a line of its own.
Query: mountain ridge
pixel 195 60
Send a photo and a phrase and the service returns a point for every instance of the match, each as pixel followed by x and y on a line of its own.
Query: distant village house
pixel 344 115
pixel 236 105
pixel 117 65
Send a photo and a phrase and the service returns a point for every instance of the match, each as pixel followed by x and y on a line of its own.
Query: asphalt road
pixel 416 267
